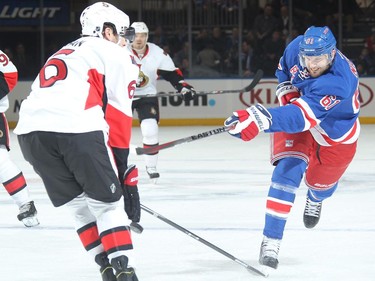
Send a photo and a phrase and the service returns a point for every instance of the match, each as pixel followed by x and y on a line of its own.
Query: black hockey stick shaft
pixel 203 241
pixel 258 75
pixel 156 148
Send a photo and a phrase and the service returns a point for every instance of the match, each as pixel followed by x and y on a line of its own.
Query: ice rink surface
pixel 216 188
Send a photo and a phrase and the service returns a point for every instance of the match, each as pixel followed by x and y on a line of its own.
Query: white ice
pixel 216 188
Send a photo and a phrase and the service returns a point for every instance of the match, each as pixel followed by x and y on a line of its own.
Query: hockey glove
pixel 131 195
pixel 187 91
pixel 287 93
pixel 246 124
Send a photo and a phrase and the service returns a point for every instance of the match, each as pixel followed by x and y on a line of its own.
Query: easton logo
pixel 209 133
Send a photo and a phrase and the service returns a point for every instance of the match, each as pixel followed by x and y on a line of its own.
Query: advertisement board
pixel 214 108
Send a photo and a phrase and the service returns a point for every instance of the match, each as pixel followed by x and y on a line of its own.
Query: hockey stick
pixel 156 148
pixel 258 75
pixel 205 242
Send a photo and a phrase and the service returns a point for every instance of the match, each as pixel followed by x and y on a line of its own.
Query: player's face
pixel 140 41
pixel 316 65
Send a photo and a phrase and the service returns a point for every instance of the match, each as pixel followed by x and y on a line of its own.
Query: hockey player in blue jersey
pixel 314 131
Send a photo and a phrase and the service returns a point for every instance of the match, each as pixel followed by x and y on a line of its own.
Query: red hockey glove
pixel 287 93
pixel 246 124
pixel 131 195
pixel 187 91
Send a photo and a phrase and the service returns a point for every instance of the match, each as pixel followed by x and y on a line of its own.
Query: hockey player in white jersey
pixel 76 111
pixel 153 61
pixel 10 175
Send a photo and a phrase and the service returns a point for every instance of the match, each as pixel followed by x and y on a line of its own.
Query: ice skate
pixel 311 215
pixel 123 272
pixel 153 174
pixel 269 251
pixel 106 269
pixel 28 214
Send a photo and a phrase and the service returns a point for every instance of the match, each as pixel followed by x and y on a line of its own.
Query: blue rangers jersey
pixel 329 104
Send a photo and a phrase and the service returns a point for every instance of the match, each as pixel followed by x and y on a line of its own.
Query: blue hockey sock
pixel 286 178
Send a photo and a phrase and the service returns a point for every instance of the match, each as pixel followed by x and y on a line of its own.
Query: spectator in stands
pixel 233 39
pixel 370 42
pixel 9 53
pixel 367 62
pixel 350 9
pixel 158 37
pixel 246 58
pixel 181 55
pixel 219 41
pixel 361 69
pixel 201 40
pixel 265 24
pixel 273 49
pixel 209 58
pixel 284 21
pixel 23 62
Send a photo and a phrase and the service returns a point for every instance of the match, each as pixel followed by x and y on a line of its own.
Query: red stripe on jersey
pixel 89 236
pixel 97 89
pixel 120 126
pixel 116 238
pixel 353 131
pixel 15 184
pixel 11 79
pixel 312 120
pixel 278 207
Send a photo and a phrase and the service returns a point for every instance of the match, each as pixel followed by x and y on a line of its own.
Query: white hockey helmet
pixel 94 16
pixel 140 27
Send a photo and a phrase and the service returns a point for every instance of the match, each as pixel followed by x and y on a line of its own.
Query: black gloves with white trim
pixel 187 91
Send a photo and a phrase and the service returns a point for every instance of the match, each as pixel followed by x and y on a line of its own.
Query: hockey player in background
pixel 10 175
pixel 315 130
pixel 153 61
pixel 63 132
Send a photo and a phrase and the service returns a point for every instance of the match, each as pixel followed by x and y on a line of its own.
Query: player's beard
pixel 139 48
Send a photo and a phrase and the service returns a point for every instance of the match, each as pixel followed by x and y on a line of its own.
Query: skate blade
pixel 30 221
pixel 154 180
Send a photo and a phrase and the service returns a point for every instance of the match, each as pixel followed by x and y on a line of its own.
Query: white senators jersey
pixel 88 85
pixel 8 80
pixel 154 59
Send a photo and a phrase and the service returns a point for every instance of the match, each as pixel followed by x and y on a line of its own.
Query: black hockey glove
pixel 131 195
pixel 187 91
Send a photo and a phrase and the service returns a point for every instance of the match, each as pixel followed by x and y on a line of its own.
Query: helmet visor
pixel 129 34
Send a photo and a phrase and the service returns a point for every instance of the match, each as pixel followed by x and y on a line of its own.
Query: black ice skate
pixel 153 174
pixel 123 272
pixel 106 269
pixel 311 215
pixel 269 252
pixel 28 214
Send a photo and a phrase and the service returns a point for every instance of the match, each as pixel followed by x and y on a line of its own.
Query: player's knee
pixel 321 194
pixel 150 131
pixel 289 171
pixel 98 208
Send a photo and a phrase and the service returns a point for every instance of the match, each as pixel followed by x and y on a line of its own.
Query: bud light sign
pixel 31 12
